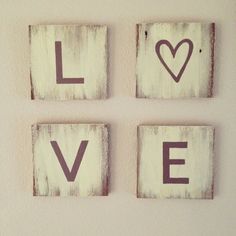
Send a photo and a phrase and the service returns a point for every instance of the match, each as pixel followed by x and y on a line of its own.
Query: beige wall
pixel 120 213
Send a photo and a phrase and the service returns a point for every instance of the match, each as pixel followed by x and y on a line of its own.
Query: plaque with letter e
pixel 70 160
pixel 175 162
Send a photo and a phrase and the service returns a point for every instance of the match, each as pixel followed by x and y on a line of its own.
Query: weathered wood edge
pixel 212 44
pixel 106 179
pixel 34 133
pixel 32 95
pixel 138 195
pixel 136 76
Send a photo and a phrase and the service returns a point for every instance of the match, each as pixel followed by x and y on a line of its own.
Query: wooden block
pixel 175 162
pixel 70 159
pixel 175 60
pixel 68 62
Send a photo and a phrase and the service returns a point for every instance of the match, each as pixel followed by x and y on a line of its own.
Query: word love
pixel 166 167
pixel 71 62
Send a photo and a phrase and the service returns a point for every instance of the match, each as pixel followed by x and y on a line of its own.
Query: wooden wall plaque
pixel 70 159
pixel 175 60
pixel 68 62
pixel 175 162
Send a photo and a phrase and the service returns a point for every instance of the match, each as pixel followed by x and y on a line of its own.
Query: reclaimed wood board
pixel 175 162
pixel 68 62
pixel 175 60
pixel 70 160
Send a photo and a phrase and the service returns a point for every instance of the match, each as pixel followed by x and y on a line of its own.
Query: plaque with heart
pixel 175 60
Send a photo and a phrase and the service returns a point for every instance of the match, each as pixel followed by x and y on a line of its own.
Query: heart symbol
pixel 173 52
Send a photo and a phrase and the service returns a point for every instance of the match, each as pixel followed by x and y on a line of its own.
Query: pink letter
pixel 59 70
pixel 167 162
pixel 70 175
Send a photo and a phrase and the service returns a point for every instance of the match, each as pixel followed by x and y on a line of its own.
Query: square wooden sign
pixel 175 60
pixel 175 162
pixel 68 62
pixel 70 159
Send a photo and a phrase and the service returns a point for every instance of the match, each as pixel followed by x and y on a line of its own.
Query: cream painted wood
pixel 84 54
pixel 198 156
pixel 92 176
pixel 153 79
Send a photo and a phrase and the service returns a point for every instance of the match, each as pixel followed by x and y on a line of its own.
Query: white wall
pixel 120 213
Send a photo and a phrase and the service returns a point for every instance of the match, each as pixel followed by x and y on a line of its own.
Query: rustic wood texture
pixel 198 156
pixel 48 176
pixel 84 55
pixel 152 78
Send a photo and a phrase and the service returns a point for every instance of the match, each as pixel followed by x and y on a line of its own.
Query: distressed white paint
pixel 92 176
pixel 198 158
pixel 84 54
pixel 154 81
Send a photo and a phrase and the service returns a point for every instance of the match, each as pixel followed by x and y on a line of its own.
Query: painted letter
pixel 167 162
pixel 70 175
pixel 59 70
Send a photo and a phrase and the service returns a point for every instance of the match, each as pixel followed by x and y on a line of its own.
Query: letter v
pixel 70 175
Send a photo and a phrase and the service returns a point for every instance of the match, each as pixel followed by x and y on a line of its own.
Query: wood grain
pixel 48 176
pixel 84 55
pixel 152 78
pixel 198 157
